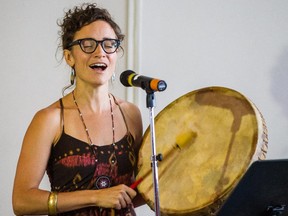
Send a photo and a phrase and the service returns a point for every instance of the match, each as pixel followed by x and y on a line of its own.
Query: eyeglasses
pixel 89 45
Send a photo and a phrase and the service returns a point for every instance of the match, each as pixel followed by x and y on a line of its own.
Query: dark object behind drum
pixel 263 191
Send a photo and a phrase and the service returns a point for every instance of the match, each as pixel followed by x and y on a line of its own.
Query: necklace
pixel 112 158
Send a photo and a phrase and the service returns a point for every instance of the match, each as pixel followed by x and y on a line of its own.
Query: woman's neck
pixel 96 100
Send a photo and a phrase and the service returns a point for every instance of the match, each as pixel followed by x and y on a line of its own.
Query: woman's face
pixel 95 68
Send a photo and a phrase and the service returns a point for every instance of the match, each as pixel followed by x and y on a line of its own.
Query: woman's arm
pixel 27 197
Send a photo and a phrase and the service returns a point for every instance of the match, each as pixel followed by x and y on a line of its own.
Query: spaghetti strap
pixel 116 102
pixel 62 113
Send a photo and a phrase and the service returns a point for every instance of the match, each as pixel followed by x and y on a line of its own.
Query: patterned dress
pixel 76 165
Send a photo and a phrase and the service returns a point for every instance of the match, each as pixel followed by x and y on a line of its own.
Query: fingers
pixel 125 196
pixel 117 197
pixel 124 200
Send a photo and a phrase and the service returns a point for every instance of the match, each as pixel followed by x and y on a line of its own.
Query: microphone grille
pixel 124 77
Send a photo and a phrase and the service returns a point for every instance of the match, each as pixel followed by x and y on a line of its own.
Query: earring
pixel 113 77
pixel 72 76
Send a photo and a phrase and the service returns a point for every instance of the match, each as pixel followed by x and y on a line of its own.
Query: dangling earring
pixel 72 76
pixel 113 77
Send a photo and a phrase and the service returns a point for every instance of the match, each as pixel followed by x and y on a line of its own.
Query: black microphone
pixel 129 78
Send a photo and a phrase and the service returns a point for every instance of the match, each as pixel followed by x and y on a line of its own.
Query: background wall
pixel 242 45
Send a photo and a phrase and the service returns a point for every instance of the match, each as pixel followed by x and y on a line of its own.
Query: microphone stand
pixel 150 101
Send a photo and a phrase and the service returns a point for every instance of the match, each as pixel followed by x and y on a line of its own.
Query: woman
pixel 87 141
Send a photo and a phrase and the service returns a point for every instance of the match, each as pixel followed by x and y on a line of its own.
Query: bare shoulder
pixel 133 117
pixel 130 110
pixel 47 121
pixel 49 113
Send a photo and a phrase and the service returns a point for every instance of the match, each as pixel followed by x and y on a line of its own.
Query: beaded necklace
pixel 112 159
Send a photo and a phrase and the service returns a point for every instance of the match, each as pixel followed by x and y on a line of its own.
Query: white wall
pixel 190 44
pixel 238 44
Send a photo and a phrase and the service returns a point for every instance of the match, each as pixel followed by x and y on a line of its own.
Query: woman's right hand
pixel 117 197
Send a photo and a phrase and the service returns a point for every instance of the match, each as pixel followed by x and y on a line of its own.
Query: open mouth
pixel 97 66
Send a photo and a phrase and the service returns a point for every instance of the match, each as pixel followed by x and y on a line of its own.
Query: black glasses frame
pixel 79 42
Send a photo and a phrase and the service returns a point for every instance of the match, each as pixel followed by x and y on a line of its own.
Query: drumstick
pixel 136 183
pixel 184 138
pixel 181 141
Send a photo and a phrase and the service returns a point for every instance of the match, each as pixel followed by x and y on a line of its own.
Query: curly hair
pixel 83 15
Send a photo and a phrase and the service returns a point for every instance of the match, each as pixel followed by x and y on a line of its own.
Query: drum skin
pixel 229 133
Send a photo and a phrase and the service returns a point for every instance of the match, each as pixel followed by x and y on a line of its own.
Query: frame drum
pixel 222 133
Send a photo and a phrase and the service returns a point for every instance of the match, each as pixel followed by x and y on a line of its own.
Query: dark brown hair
pixel 83 15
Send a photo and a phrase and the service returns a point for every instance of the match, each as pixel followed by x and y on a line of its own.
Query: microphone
pixel 129 78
